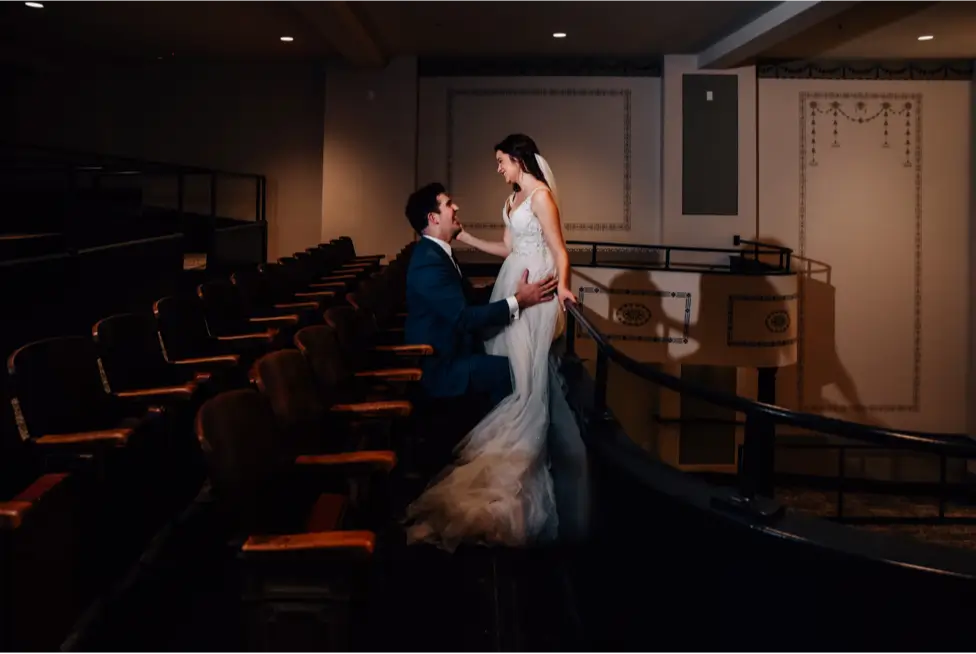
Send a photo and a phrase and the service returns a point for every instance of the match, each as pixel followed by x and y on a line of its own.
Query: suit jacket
pixel 442 313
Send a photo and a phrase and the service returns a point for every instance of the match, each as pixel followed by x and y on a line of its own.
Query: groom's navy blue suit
pixel 442 313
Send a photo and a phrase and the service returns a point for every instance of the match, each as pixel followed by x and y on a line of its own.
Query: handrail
pixel 757 248
pixel 956 445
pixel 165 166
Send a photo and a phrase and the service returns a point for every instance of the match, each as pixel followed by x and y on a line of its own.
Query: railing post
pixel 212 241
pixel 257 199
pixel 570 333
pixel 213 195
pixel 180 192
pixel 751 499
pixel 766 394
pixel 600 392
pixel 749 467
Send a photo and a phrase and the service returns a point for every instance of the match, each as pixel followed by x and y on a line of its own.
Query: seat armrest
pixel 392 374
pixel 106 437
pixel 353 542
pixel 297 305
pixel 336 278
pixel 406 350
pixel 14 512
pixel 384 408
pixel 368 460
pixel 315 294
pixel 339 285
pixel 264 336
pixel 225 359
pixel 288 318
pixel 182 392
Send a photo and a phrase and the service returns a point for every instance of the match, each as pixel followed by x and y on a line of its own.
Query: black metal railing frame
pixel 71 163
pixel 757 248
pixel 756 471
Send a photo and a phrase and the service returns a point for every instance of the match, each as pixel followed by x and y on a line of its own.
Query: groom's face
pixel 445 219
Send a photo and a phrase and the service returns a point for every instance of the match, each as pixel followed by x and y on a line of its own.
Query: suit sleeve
pixel 445 298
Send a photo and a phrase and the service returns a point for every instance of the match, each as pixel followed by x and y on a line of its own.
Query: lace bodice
pixel 526 231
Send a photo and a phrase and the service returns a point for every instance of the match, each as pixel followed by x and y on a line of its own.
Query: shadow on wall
pixel 802 386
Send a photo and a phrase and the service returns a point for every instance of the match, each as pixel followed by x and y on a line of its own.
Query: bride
pixel 499 491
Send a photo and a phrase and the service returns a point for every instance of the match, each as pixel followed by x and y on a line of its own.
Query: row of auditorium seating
pixel 250 383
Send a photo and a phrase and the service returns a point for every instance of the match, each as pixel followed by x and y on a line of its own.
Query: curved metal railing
pixel 755 475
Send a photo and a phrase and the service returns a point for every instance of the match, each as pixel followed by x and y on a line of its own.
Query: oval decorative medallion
pixel 778 321
pixel 632 314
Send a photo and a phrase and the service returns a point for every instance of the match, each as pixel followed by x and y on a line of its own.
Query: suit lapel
pixel 466 287
pixel 443 255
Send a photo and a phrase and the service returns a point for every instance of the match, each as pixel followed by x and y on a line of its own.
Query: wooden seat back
pixel 59 387
pixel 131 353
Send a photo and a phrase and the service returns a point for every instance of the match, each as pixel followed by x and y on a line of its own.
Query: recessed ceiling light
pixel 559 35
pixel 927 37
pixel 287 38
pixel 35 5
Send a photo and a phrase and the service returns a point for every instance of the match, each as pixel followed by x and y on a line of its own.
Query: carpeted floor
pixel 824 504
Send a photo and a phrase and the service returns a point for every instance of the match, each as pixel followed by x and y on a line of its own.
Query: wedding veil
pixel 550 178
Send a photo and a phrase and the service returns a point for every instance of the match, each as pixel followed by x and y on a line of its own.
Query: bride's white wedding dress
pixel 499 490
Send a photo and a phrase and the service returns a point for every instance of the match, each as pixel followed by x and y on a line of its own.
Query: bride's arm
pixel 548 213
pixel 498 248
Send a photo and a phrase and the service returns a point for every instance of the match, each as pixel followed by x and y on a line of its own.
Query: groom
pixel 443 312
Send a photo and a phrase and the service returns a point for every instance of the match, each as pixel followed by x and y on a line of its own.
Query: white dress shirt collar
pixel 444 244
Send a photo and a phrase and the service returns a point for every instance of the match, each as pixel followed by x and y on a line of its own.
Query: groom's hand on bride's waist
pixel 529 294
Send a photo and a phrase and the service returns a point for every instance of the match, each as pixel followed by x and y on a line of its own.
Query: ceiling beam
pixel 782 22
pixel 862 19
pixel 343 31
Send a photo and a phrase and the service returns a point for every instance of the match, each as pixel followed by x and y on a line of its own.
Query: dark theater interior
pixel 221 405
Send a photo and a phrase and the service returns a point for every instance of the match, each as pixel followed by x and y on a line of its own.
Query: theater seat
pixel 39 557
pixel 132 355
pixel 133 363
pixel 184 334
pixel 73 424
pixel 298 540
pixel 63 400
pixel 309 416
pixel 332 364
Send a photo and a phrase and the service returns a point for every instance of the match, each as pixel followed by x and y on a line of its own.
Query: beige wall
pixel 370 155
pixel 245 117
pixel 600 135
pixel 884 224
pixel 860 333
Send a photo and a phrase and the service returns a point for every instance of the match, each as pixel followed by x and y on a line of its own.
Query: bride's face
pixel 508 167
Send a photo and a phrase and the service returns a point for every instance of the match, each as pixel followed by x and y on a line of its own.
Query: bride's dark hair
pixel 522 150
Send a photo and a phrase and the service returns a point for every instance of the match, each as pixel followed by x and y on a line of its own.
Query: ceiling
pixel 362 32
pixel 147 30
pixel 889 30
pixel 953 24
pixel 500 29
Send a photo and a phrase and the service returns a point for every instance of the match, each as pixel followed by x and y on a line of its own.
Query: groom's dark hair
pixel 422 202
